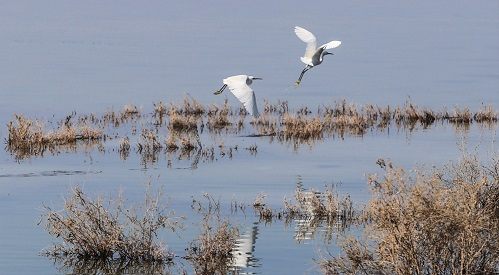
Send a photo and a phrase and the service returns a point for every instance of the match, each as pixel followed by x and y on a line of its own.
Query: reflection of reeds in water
pixel 110 266
pixel 437 222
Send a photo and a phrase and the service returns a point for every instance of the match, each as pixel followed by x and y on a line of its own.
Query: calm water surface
pixel 91 56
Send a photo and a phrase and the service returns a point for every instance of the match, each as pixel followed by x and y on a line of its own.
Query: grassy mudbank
pixel 438 222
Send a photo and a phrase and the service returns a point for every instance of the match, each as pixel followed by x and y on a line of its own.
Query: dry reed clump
pixel 27 137
pixel 159 109
pixel 211 252
pixel 375 114
pixel 320 204
pixel 171 142
pixel 342 108
pixel 459 116
pixel 438 222
pixel 149 146
pixel 280 108
pixel 485 114
pixel 129 112
pixel 149 141
pixel 354 124
pixel 266 124
pixel 182 122
pixel 86 132
pixel 219 117
pixel 110 117
pixel 410 114
pixel 301 127
pixel 189 108
pixel 159 112
pixel 124 147
pixel 105 230
pixel 314 205
pixel 192 107
pixel 188 144
pixel 345 118
pixel 265 213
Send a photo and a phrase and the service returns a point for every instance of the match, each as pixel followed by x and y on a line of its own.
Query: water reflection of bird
pixel 313 56
pixel 245 247
pixel 239 85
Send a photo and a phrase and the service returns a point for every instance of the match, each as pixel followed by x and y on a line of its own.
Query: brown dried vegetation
pixel 27 137
pixel 438 222
pixel 105 230
pixel 211 252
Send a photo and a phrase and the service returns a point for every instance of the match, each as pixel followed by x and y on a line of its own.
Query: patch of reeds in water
pixel 103 230
pixel 219 117
pixel 301 127
pixel 189 118
pixel 211 252
pixel 486 114
pixel 312 213
pixel 438 222
pixel 28 137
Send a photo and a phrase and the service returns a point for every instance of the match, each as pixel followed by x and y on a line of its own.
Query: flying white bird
pixel 313 56
pixel 239 86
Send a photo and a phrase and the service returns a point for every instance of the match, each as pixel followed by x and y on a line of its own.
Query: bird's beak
pixel 258 78
pixel 329 53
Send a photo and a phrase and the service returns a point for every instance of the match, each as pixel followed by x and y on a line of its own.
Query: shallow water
pixel 91 56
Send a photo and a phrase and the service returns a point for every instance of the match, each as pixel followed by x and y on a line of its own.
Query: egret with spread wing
pixel 239 85
pixel 313 56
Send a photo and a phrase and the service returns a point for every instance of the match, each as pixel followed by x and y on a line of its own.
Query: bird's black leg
pixel 302 73
pixel 221 90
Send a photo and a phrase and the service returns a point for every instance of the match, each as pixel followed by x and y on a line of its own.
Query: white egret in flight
pixel 313 56
pixel 239 86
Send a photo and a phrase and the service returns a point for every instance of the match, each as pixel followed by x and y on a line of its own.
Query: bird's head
pixel 250 79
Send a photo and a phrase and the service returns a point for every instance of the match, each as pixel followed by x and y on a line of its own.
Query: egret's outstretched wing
pixel 237 86
pixel 331 45
pixel 308 38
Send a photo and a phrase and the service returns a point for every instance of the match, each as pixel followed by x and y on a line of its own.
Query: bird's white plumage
pixel 237 86
pixel 311 50
pixel 308 38
pixel 331 45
